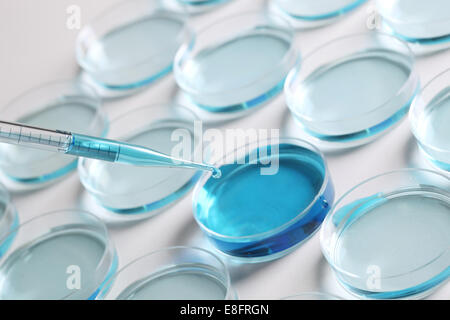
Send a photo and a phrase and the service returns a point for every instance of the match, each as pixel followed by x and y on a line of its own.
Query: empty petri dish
pixel 132 192
pixel 131 44
pixel 313 13
pixel 237 63
pixel 9 220
pixel 63 105
pixel 175 273
pixel 58 255
pixel 388 238
pixel 312 296
pixel 272 196
pixel 430 119
pixel 418 22
pixel 352 89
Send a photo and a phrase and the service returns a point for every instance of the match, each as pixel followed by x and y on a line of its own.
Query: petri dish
pixel 237 63
pixel 198 6
pixel 272 196
pixel 62 105
pixel 58 255
pixel 387 238
pixel 313 13
pixel 352 89
pixel 132 192
pixel 430 118
pixel 426 24
pixel 312 296
pixel 132 44
pixel 9 220
pixel 175 273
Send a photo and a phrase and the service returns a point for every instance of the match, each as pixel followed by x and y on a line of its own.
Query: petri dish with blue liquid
pixel 125 192
pixel 62 105
pixel 387 238
pixel 132 44
pixel 430 120
pixel 9 220
pixel 272 196
pixel 313 13
pixel 237 63
pixel 175 273
pixel 58 255
pixel 423 24
pixel 353 89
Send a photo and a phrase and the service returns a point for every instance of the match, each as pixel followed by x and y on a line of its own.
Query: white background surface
pixel 36 47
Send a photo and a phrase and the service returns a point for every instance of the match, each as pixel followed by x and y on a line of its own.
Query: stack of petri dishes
pixel 387 238
pixel 58 255
pixel 63 105
pixel 352 89
pixel 272 196
pixel 423 24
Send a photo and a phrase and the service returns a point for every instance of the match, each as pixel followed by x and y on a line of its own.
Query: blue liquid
pixel 27 165
pixel 434 130
pixel 426 22
pixel 38 270
pixel 399 233
pixel 177 283
pixel 244 203
pixel 318 9
pixel 335 101
pixel 131 189
pixel 135 54
pixel 238 74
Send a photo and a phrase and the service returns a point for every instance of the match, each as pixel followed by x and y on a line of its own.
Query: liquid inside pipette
pixel 120 152
pixel 92 147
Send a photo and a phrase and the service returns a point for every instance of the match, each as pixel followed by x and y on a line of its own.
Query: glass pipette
pixel 92 147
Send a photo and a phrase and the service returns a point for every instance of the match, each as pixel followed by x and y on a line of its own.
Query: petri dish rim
pixel 81 164
pixel 330 15
pixel 109 250
pixel 250 146
pixel 417 109
pixel 230 293
pixel 185 51
pixel 100 113
pixel 413 76
pixel 399 21
pixel 11 213
pixel 327 296
pixel 329 217
pixel 181 16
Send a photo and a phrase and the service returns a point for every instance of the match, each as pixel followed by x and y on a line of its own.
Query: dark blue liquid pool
pixel 248 214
